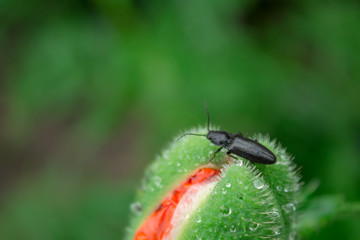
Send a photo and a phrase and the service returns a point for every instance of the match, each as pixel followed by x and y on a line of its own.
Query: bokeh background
pixel 92 90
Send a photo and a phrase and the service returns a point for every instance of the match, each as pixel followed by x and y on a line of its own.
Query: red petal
pixel 158 225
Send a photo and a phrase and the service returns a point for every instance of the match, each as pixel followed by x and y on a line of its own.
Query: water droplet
pixel 291 188
pixel 288 208
pixel 178 164
pixel 240 182
pixel 279 188
pixel 224 191
pixel 136 207
pixel 157 181
pixel 253 226
pixel 225 211
pixel 228 185
pixel 198 219
pixel 274 214
pixel 232 228
pixel 258 184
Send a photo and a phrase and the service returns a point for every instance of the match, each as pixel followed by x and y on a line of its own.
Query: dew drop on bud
pixel 253 226
pixel 274 214
pixel 157 181
pixel 225 211
pixel 136 207
pixel 258 184
pixel 288 208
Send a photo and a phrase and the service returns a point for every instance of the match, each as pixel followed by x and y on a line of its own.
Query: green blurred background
pixel 92 90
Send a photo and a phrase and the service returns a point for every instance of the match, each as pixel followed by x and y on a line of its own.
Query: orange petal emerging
pixel 158 225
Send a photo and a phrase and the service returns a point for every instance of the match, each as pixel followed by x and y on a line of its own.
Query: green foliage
pixel 321 211
pixel 46 208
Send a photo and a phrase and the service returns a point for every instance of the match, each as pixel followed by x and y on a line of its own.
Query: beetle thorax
pixel 220 138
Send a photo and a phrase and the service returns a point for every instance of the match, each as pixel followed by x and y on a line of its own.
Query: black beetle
pixel 237 144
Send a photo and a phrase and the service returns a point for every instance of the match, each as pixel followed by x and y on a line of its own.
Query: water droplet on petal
pixel 279 188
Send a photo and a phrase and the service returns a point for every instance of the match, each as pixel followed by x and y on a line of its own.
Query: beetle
pixel 237 144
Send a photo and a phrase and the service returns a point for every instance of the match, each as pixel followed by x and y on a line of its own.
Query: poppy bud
pixel 188 194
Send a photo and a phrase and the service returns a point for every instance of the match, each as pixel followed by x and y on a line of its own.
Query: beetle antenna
pixel 195 134
pixel 208 117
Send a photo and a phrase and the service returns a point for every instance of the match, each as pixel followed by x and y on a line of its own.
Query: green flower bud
pixel 244 201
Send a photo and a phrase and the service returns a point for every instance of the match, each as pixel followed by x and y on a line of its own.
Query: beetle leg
pixel 229 154
pixel 218 150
